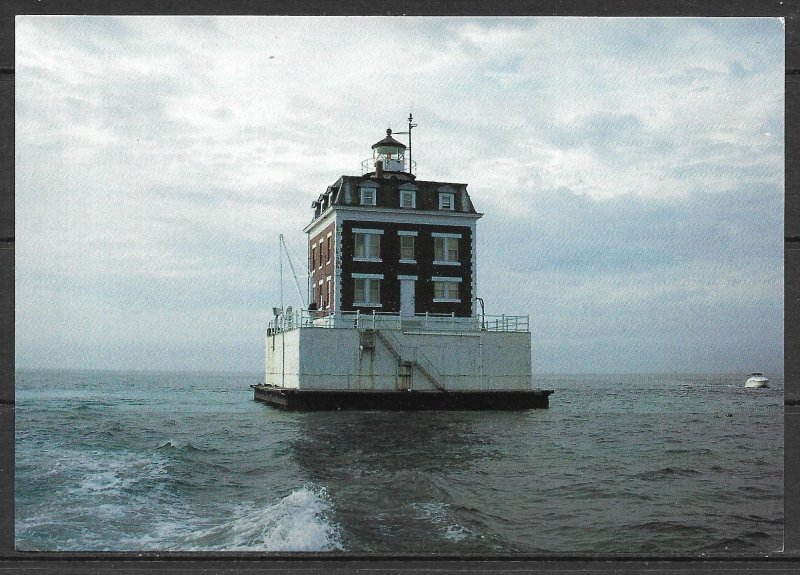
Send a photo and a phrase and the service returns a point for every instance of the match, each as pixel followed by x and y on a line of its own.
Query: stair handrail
pixel 436 377
pixel 384 337
pixel 427 368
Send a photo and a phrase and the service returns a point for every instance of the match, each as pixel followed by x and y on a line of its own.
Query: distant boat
pixel 756 380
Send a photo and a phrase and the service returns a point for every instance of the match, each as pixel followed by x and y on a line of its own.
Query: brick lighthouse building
pixel 393 320
pixel 385 242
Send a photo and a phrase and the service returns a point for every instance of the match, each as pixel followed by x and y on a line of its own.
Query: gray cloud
pixel 621 173
pixel 573 233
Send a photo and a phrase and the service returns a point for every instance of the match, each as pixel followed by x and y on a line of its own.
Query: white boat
pixel 756 380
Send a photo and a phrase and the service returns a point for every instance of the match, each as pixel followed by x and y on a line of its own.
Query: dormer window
pixel 408 199
pixel 447 201
pixel 368 195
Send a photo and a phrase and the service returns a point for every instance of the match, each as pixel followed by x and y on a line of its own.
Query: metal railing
pixel 506 323
pixel 368 166
pixel 299 319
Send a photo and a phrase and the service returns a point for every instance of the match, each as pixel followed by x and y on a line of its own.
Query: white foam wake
pixel 298 522
pixel 127 501
pixel 439 514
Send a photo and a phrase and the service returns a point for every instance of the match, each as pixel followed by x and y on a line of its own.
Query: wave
pixel 173 444
pixel 156 521
pixel 440 515
pixel 747 541
pixel 298 522
pixel 758 519
pixel 671 527
pixel 692 451
pixel 666 473
pixel 103 473
pixel 455 532
pixel 92 404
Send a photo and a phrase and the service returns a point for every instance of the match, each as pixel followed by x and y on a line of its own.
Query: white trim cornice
pixel 323 220
pixel 392 215
pixel 430 217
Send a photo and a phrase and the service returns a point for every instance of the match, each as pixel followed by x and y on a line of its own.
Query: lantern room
pixel 391 154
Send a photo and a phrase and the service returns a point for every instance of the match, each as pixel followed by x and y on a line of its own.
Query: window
pixel 321 300
pixel 328 294
pixel 445 249
pixel 329 249
pixel 446 289
pixel 320 253
pixel 367 244
pixel 313 257
pixel 368 195
pixel 408 199
pixel 367 290
pixel 447 201
pixel 407 248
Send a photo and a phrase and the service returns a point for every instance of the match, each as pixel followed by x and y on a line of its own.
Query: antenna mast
pixel 410 126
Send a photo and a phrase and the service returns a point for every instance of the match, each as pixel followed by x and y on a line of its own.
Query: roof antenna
pixel 410 125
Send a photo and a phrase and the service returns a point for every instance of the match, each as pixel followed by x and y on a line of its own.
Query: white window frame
pixel 328 242
pixel 368 280
pixel 447 240
pixel 321 263
pixel 412 194
pixel 328 292
pixel 374 190
pixel 451 196
pixel 413 259
pixel 367 233
pixel 448 282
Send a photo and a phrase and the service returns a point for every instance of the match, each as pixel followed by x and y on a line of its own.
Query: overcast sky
pixel 630 172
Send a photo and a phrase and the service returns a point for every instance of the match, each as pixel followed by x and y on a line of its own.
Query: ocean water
pixel 660 464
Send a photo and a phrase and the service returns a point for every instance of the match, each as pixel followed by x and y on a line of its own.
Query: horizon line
pixel 253 373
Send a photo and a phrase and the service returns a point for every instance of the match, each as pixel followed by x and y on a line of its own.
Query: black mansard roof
pixel 346 192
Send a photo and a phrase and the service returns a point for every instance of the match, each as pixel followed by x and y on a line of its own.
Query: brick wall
pixel 425 269
pixel 323 266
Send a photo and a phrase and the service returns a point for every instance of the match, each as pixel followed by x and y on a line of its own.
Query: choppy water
pixel 631 464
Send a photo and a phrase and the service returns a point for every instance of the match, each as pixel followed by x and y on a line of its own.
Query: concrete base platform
pixel 317 400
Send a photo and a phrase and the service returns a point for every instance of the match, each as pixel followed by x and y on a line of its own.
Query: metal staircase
pixel 426 367
pixel 420 360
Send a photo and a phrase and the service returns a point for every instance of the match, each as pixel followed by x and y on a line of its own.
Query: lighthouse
pixel 393 320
